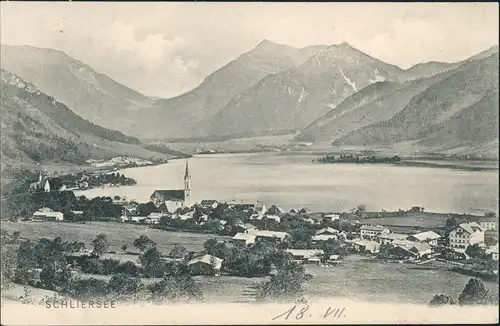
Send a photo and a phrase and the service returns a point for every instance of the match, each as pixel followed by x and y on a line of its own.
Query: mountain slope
pixel 92 95
pixel 185 116
pixel 294 98
pixel 37 128
pixel 460 109
pixel 428 69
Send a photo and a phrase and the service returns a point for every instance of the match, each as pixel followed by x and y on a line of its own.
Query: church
pixel 172 200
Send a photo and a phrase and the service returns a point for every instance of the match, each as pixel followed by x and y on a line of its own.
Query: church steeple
pixel 187 184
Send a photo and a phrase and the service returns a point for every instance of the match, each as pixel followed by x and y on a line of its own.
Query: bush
pixel 110 266
pixel 129 268
pixel 89 289
pixel 441 300
pixel 92 266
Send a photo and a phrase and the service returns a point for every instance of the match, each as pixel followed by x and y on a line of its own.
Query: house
pixel 306 256
pixel 77 213
pixel 154 218
pixel 293 211
pixel 365 245
pixel 47 214
pixel 241 227
pixel 212 204
pixel 429 237
pixel 205 265
pixel 401 252
pixel 275 210
pixel 466 234
pixel 493 252
pixel 334 259
pixel 270 236
pixel 275 218
pixel 489 224
pixel 372 231
pixel 305 210
pixel 332 217
pixel 323 237
pixel 310 221
pixel 391 238
pixel 244 238
pixel 176 197
pixel 328 230
pixel 421 249
pixel 137 219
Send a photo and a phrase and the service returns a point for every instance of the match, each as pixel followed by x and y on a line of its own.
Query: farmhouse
pixel 332 217
pixel 306 256
pixel 421 249
pixel 429 237
pixel 372 231
pixel 205 265
pixel 174 198
pixel 244 238
pixel 275 210
pixel 364 245
pixel 47 214
pixel 209 204
pixel 154 218
pixel 391 238
pixel 323 237
pixel 244 227
pixel 466 234
pixel 493 252
pixel 270 236
pixel 328 231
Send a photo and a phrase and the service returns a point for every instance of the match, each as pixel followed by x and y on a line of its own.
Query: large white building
pixel 466 234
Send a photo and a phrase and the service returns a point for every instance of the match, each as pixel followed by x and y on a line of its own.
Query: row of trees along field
pixel 54 265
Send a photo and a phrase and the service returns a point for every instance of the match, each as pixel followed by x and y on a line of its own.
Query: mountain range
pixel 36 128
pixel 332 93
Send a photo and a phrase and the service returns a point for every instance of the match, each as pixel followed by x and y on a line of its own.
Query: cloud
pixel 164 49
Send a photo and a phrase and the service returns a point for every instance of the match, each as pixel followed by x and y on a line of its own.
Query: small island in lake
pixel 342 158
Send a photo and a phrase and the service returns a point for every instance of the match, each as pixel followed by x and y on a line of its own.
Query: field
pixel 118 234
pixel 417 220
pixel 357 278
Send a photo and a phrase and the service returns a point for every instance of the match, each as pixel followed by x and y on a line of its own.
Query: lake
pixel 291 180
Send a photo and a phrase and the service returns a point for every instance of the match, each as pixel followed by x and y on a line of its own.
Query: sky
pixel 166 49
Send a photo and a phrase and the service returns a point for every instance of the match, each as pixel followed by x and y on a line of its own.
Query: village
pixel 309 237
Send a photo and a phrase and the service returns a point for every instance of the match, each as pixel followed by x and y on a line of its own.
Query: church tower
pixel 187 185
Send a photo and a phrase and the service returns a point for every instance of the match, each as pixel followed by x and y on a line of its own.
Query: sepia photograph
pixel 249 163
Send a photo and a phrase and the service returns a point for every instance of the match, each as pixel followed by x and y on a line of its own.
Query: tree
pixel 125 286
pixel 286 285
pixel 178 251
pixel 475 293
pixel 8 267
pixel 178 285
pixel 116 198
pixel 451 222
pixel 16 235
pixel 100 244
pixel 124 248
pixel 441 300
pixel 209 246
pixel 144 243
pixel 475 251
pixel 152 263
pixel 490 214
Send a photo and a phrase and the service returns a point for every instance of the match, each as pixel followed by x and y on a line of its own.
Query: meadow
pixel 118 234
pixel 357 278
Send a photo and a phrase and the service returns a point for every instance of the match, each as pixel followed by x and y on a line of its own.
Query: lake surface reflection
pixel 291 180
